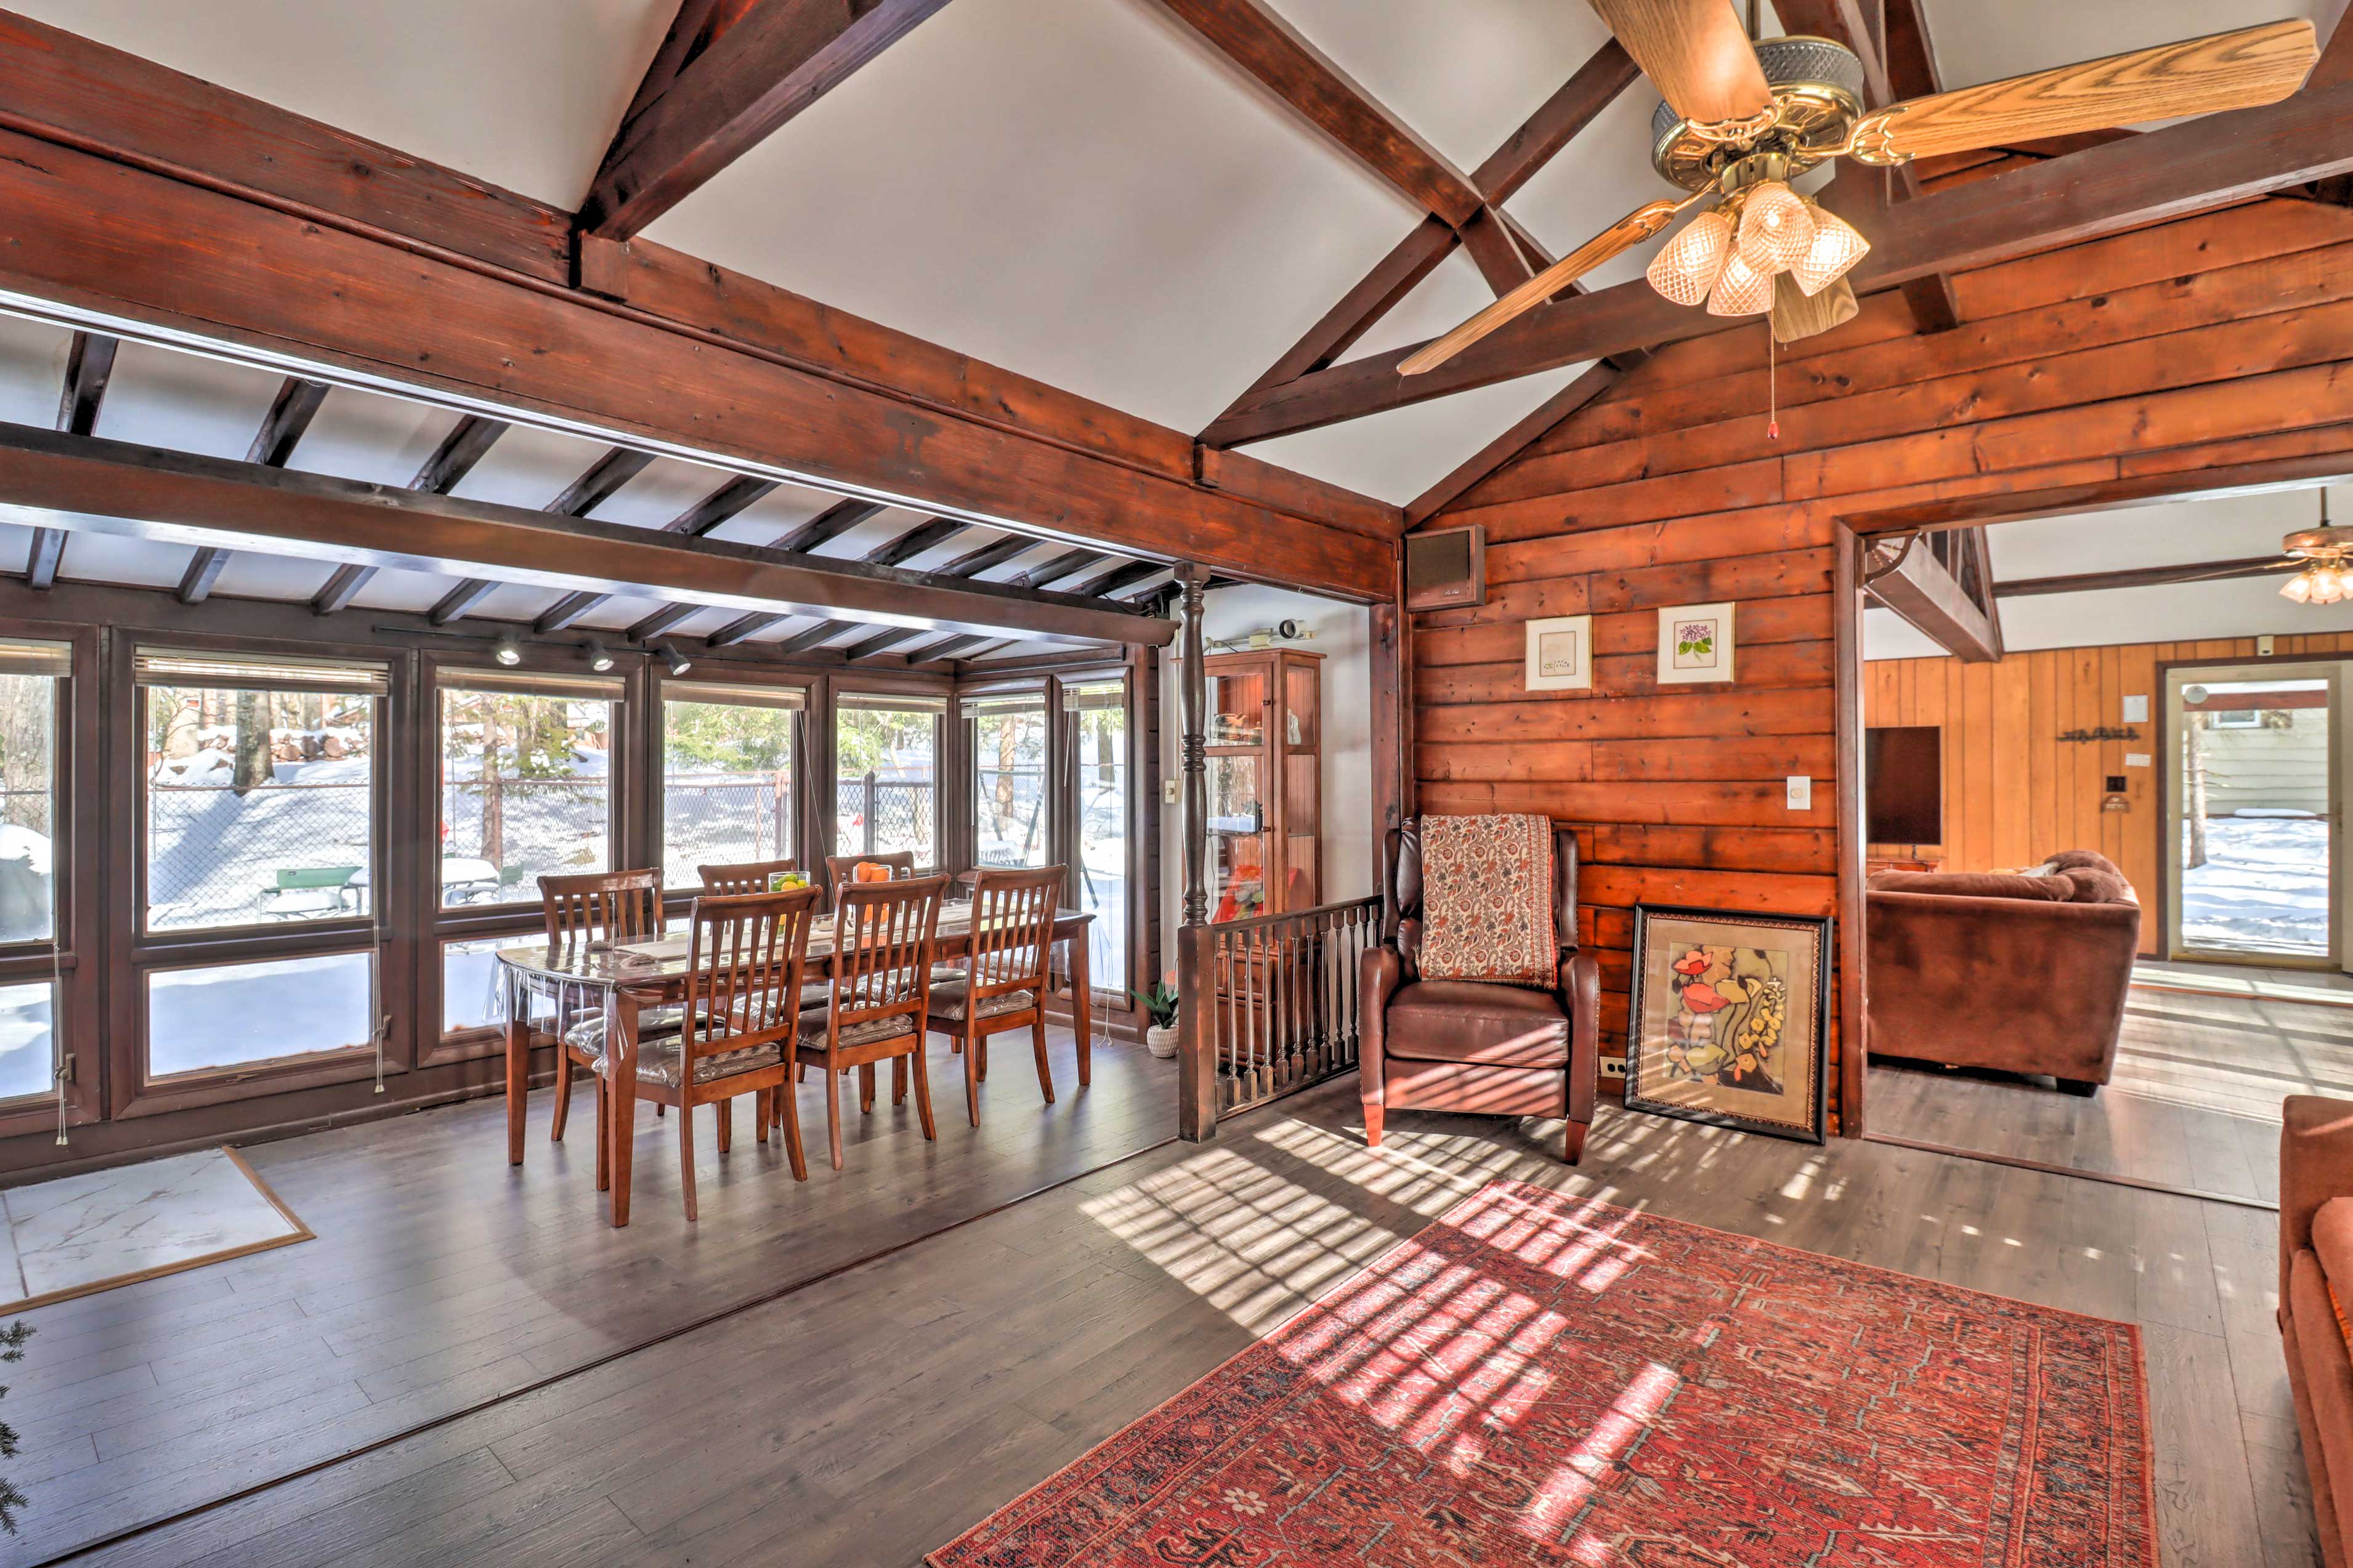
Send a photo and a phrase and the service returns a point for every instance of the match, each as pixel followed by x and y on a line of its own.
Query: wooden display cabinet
pixel 1266 757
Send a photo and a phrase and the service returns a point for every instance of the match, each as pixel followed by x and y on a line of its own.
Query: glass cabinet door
pixel 1238 838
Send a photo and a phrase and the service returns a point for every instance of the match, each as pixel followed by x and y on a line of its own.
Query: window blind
pixel 584 688
pixel 1096 694
pixel 890 702
pixel 789 697
pixel 277 672
pixel 21 655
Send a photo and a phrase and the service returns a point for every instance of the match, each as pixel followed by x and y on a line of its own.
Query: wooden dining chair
pixel 599 907
pixel 749 877
pixel 1004 987
pixel 884 935
pixel 734 1031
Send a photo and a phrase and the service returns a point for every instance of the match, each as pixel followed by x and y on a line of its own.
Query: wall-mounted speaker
pixel 1446 568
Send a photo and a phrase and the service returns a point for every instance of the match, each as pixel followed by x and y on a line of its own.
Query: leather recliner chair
pixel 1475 1046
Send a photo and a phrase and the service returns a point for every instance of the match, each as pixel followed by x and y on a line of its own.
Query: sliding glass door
pixel 2254 792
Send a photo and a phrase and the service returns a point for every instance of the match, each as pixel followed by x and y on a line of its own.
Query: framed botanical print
pixel 1694 644
pixel 1560 654
pixel 1730 1019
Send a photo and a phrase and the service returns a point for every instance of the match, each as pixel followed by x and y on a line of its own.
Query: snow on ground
pixel 2264 887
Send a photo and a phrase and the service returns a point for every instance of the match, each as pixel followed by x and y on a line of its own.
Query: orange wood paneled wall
pixel 2201 343
pixel 2015 793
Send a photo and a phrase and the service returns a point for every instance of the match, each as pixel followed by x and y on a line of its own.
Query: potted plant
pixel 1159 1001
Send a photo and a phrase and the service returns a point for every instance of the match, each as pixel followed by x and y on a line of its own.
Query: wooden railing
pixel 1267 1005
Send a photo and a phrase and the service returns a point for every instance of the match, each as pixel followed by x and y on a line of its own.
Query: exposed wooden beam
pixel 99 244
pixel 595 487
pixel 2335 68
pixel 1919 588
pixel 115 486
pixel 464 445
pixel 1266 47
pixel 780 58
pixel 290 413
pixel 880 642
pixel 1596 380
pixel 2170 173
pixel 915 541
pixel 1127 574
pixel 661 621
pixel 1593 86
pixel 800 641
pixel 2274 564
pixel 1934 306
pixel 956 647
pixel 696 520
pixel 89 364
pixel 1910 54
pixel 1060 566
pixel 973 563
pixel 829 524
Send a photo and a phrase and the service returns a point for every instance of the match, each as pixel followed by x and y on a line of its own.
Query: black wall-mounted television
pixel 1904 784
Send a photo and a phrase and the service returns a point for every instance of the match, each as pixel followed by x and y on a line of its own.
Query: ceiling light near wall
pixel 2329 576
pixel 600 657
pixel 679 663
pixel 508 652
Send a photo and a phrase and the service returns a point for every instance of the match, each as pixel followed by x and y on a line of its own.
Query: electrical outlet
pixel 1801 793
pixel 2263 645
pixel 1172 789
pixel 1613 1067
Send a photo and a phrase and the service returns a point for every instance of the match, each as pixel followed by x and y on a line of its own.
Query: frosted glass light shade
pixel 1685 269
pixel 1835 248
pixel 1776 230
pixel 2296 588
pixel 1740 289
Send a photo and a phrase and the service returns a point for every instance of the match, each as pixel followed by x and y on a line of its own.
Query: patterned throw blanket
pixel 1486 899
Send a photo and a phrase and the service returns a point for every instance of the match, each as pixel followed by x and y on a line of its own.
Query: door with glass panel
pixel 261 783
pixel 1096 712
pixel 34 855
pixel 2254 788
pixel 1012 823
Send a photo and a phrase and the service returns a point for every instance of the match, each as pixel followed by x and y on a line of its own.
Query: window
pixel 30 676
pixel 233 1016
pixel 28 1049
pixel 525 782
pixel 470 979
pixel 727 776
pixel 1008 775
pixel 1098 713
pixel 260 789
pixel 886 753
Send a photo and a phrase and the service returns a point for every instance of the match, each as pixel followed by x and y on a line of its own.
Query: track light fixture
pixel 679 663
pixel 600 657
pixel 508 652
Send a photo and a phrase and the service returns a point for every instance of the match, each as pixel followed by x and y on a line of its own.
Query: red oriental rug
pixel 1539 1378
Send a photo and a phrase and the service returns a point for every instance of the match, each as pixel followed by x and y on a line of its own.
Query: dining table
pixel 568 981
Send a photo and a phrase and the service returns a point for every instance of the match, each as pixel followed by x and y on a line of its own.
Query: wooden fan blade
pixel 2197 76
pixel 1697 54
pixel 1632 229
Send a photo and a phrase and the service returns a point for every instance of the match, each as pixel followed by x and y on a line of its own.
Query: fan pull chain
pixel 1772 386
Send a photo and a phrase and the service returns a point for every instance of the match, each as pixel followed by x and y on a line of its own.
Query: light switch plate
pixel 1172 789
pixel 1801 793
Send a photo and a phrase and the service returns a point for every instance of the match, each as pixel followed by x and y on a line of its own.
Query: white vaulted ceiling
pixel 1079 190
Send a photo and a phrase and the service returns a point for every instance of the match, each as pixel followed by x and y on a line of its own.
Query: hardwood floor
pixel 867 1419
pixel 2194 1103
pixel 441 1276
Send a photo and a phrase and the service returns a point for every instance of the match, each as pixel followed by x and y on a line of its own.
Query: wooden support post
pixel 1197 1082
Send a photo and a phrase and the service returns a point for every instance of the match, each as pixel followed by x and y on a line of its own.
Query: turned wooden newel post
pixel 1197 1057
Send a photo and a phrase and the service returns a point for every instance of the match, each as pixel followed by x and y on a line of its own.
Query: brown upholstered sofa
pixel 1468 1047
pixel 2315 1254
pixel 2024 973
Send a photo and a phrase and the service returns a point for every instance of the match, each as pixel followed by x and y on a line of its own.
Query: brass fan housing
pixel 2320 542
pixel 1817 86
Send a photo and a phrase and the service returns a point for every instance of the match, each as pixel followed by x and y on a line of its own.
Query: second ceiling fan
pixel 1740 118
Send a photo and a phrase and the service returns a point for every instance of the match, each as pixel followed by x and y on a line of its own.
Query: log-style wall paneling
pixel 2014 793
pixel 2168 360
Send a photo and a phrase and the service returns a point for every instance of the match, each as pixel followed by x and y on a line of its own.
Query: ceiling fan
pixel 1740 118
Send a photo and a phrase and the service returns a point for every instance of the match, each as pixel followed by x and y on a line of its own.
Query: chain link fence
pixel 719 819
pixel 873 815
pixel 284 850
pixel 499 838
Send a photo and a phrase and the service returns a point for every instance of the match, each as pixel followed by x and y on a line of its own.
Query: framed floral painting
pixel 1694 644
pixel 1729 1023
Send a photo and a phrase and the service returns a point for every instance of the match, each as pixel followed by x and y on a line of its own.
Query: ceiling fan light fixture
pixel 1740 289
pixel 2298 589
pixel 1776 230
pixel 1835 248
pixel 1685 270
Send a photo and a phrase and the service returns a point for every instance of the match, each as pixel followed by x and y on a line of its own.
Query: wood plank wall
pixel 2225 338
pixel 2014 793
